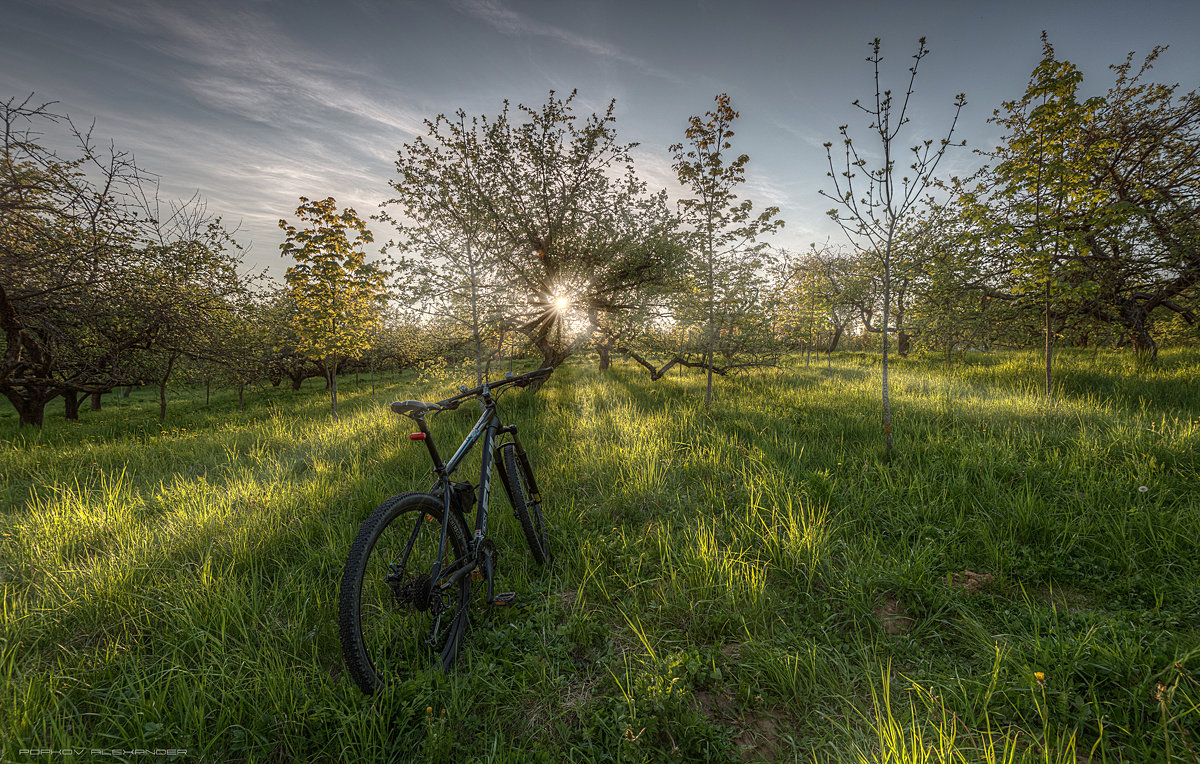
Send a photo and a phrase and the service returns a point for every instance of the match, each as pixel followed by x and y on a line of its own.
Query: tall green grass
pixel 752 581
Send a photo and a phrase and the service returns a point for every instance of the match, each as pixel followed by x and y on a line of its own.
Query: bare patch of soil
pixel 757 736
pixel 971 581
pixel 759 740
pixel 893 617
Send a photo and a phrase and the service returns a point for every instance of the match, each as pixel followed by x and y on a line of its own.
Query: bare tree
pixel 871 217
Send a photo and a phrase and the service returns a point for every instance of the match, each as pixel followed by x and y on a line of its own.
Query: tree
pixel 1095 203
pixel 97 278
pixel 947 309
pixel 455 274
pixel 725 254
pixel 1143 249
pixel 336 291
pixel 1042 190
pixel 554 204
pixel 871 217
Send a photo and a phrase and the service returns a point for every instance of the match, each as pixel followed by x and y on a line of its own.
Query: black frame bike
pixel 407 584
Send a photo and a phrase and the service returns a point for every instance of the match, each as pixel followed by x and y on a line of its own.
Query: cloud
pixel 303 124
pixel 509 22
pixel 241 63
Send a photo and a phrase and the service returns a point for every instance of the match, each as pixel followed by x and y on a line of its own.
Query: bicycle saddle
pixel 414 407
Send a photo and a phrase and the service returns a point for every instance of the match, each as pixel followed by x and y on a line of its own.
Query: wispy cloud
pixel 303 124
pixel 240 62
pixel 507 21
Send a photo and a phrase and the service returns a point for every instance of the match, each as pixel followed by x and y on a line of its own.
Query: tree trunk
pixel 207 392
pixel 128 390
pixel 903 343
pixel 30 405
pixel 297 380
pixel 1137 319
pixel 71 399
pixel 241 401
pixel 1144 345
pixel 837 337
pixel 552 357
pixel 1049 343
pixel 604 349
pixel 331 385
pixel 162 388
pixel 887 299
pixel 96 402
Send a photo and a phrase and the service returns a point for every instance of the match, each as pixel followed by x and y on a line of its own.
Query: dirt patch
pixel 567 599
pixel 732 653
pixel 970 581
pixel 574 699
pixel 759 740
pixel 757 736
pixel 717 706
pixel 893 617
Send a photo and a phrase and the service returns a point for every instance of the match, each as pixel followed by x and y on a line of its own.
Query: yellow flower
pixel 1040 677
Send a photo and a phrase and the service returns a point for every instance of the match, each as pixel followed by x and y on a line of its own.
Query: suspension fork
pixel 535 498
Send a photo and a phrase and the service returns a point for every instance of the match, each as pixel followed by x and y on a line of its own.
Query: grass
pixel 751 582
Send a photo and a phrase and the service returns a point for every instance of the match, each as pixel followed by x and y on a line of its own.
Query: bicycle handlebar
pixel 453 402
pixel 521 381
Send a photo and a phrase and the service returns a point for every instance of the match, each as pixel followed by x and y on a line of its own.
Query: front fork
pixel 535 497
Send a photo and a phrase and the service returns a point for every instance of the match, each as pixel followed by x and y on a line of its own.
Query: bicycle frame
pixel 489 427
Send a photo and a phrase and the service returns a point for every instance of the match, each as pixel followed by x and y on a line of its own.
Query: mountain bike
pixel 407 585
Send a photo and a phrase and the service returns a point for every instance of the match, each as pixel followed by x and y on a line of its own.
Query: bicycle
pixel 399 598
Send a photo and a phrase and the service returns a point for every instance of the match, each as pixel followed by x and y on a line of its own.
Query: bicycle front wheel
pixel 391 612
pixel 526 503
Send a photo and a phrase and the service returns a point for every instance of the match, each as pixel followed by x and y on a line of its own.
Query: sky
pixel 255 103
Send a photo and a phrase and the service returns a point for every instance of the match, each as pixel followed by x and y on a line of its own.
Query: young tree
pixel 1042 191
pixel 871 217
pixel 726 253
pixel 336 291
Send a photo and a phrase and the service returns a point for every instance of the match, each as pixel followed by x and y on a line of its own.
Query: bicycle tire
pixel 518 480
pixel 382 624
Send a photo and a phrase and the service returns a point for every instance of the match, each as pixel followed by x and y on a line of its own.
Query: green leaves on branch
pixel 337 293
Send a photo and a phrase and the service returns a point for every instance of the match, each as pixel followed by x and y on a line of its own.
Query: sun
pixel 562 302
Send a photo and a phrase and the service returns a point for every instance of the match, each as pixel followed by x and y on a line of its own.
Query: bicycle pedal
pixel 503 598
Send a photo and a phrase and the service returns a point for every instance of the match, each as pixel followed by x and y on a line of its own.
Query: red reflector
pixel 417 436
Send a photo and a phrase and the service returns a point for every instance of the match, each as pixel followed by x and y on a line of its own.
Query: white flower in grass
pixel 1143 489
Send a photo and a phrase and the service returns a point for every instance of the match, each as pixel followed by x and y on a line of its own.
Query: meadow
pixel 1021 582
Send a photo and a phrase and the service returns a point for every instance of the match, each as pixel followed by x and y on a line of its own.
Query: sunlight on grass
pixel 730 582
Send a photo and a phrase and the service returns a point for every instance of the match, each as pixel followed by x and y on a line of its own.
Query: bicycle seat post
pixel 438 465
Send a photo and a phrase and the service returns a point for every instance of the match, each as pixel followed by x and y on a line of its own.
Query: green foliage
pixel 726 259
pixel 100 284
pixel 336 292
pixel 550 206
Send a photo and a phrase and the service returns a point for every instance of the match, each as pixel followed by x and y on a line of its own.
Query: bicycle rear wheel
pixel 525 500
pixel 389 616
